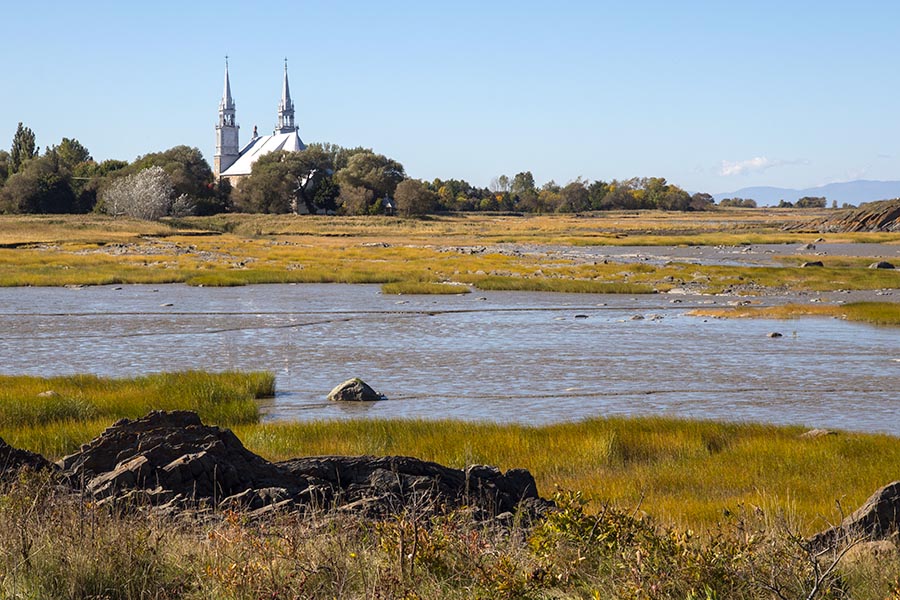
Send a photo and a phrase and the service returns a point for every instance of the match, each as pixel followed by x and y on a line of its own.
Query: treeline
pixel 66 179
pixel 324 178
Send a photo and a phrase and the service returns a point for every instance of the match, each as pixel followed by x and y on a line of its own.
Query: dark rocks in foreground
pixel 171 462
pixel 13 460
pixel 878 518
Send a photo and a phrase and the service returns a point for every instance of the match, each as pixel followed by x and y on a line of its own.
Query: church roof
pixel 260 146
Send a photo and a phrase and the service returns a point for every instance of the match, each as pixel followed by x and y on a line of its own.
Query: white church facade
pixel 231 162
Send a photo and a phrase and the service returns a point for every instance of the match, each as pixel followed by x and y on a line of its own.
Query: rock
pixel 813 263
pixel 808 247
pixel 173 464
pixel 877 519
pixel 173 450
pixel 48 394
pixel 354 390
pixel 13 460
pixel 774 334
pixel 883 215
pixel 881 264
pixel 375 484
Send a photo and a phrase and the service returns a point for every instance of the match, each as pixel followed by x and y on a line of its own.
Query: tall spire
pixel 285 107
pixel 227 102
pixel 227 146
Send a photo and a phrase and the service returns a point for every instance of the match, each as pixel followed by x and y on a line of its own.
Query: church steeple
pixel 285 107
pixel 227 147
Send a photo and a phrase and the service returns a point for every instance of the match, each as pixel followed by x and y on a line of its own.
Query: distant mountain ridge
pixel 852 192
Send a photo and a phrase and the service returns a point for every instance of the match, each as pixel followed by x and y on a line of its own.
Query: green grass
pixel 686 472
pixel 54 415
pixel 683 472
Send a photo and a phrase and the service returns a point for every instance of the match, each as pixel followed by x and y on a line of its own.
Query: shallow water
pixel 499 356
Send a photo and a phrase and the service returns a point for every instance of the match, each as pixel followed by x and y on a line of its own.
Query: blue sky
pixel 714 96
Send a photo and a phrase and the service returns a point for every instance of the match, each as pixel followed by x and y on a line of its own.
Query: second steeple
pixel 285 107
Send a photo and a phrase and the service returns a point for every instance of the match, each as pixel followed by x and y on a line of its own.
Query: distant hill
pixel 853 192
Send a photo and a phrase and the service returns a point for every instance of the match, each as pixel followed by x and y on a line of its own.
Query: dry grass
pixel 230 250
pixel 875 313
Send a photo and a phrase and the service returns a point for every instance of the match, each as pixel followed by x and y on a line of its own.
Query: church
pixel 231 162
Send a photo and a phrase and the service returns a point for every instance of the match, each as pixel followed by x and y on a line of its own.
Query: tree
pixel 523 191
pixel 71 152
pixel 191 175
pixel 738 202
pixel 23 148
pixel 575 197
pixel 597 193
pixel 283 182
pixel 4 166
pixel 354 200
pixel 148 194
pixel 702 201
pixel 811 202
pixel 374 172
pixel 413 197
pixel 42 186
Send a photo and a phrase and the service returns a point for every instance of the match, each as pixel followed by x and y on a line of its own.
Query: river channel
pixel 531 358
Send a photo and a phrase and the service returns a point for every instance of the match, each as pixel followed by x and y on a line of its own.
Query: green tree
pixel 575 197
pixel 523 193
pixel 283 182
pixel 811 202
pixel 23 148
pixel 413 197
pixel 597 193
pixel 4 166
pixel 374 172
pixel 42 185
pixel 71 153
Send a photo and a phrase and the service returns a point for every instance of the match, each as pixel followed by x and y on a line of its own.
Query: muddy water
pixel 505 356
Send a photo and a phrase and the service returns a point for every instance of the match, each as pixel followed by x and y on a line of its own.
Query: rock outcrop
pixel 13 460
pixel 170 461
pixel 354 390
pixel 883 215
pixel 877 519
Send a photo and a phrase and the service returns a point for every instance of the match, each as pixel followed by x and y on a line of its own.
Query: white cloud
pixel 755 165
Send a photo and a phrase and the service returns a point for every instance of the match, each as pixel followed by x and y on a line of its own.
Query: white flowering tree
pixel 148 194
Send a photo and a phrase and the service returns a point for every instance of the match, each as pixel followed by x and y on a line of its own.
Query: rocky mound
pixel 872 216
pixel 12 460
pixel 171 461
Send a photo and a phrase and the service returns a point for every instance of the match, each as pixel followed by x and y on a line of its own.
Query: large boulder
pixel 172 452
pixel 877 519
pixel 354 390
